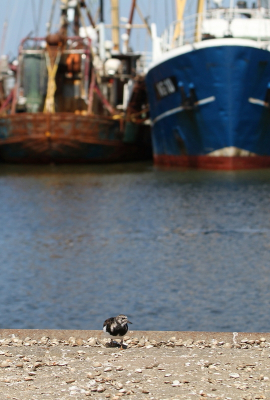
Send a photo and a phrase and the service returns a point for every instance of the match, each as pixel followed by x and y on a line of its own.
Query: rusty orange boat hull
pixel 71 138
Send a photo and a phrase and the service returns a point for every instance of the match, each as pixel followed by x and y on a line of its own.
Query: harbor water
pixel 174 250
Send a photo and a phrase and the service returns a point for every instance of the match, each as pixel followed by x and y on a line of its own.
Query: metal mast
pixel 101 13
pixel 101 32
pixel 115 23
pixel 180 9
pixel 49 24
pixel 63 18
pixel 130 23
pixel 200 7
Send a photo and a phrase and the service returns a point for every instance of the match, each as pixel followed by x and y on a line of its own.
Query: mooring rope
pixel 49 106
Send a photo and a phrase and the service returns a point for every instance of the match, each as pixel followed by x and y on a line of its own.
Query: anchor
pixel 188 102
pixel 266 102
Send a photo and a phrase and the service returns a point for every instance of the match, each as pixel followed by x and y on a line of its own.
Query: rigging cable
pixel 144 20
pixel 5 27
pixel 8 10
pixel 138 36
pixel 49 25
pixel 91 8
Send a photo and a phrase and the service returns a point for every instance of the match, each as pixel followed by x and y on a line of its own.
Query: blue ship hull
pixel 209 105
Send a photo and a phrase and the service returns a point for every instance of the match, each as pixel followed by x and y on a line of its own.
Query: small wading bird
pixel 116 327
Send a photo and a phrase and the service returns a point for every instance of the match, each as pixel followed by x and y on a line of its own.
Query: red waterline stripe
pixel 214 163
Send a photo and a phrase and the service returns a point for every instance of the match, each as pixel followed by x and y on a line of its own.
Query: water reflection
pixel 174 250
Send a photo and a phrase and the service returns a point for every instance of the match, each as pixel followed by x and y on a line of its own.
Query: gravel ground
pixel 154 365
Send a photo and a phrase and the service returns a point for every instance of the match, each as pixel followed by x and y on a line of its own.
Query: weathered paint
pixel 66 137
pixel 218 101
pixel 209 162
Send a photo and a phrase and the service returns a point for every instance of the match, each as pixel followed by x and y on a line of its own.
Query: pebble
pixel 19 365
pixel 178 342
pixel 92 382
pixel 141 342
pixel 97 364
pixel 135 342
pixel 92 342
pixel 119 385
pixel 188 342
pixel 234 375
pixel 5 342
pixel 76 390
pixel 61 364
pixel 44 340
pixel 252 378
pixel 72 341
pixel 5 364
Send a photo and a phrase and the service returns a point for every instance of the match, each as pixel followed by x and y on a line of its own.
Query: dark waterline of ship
pixel 174 250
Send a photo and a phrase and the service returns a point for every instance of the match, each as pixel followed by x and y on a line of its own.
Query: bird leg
pixel 121 343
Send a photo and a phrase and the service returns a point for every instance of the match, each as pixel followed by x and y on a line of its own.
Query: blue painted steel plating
pixel 220 100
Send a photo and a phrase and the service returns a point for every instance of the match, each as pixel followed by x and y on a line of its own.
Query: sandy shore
pixel 46 364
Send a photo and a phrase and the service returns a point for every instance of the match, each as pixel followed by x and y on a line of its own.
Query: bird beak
pixel 129 322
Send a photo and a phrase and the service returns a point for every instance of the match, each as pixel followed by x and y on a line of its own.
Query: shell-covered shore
pixel 38 365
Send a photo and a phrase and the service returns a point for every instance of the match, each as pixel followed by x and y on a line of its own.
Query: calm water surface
pixel 174 250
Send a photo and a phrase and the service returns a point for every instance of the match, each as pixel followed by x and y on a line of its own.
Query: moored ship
pixel 209 87
pixel 77 97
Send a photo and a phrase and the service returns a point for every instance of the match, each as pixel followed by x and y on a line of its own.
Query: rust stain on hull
pixel 66 137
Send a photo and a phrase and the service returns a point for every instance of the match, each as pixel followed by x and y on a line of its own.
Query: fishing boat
pixel 7 82
pixel 209 87
pixel 78 97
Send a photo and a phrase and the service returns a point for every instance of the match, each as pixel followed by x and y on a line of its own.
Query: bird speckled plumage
pixel 116 327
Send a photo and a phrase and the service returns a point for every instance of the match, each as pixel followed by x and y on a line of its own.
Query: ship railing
pixel 143 62
pixel 39 43
pixel 218 23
